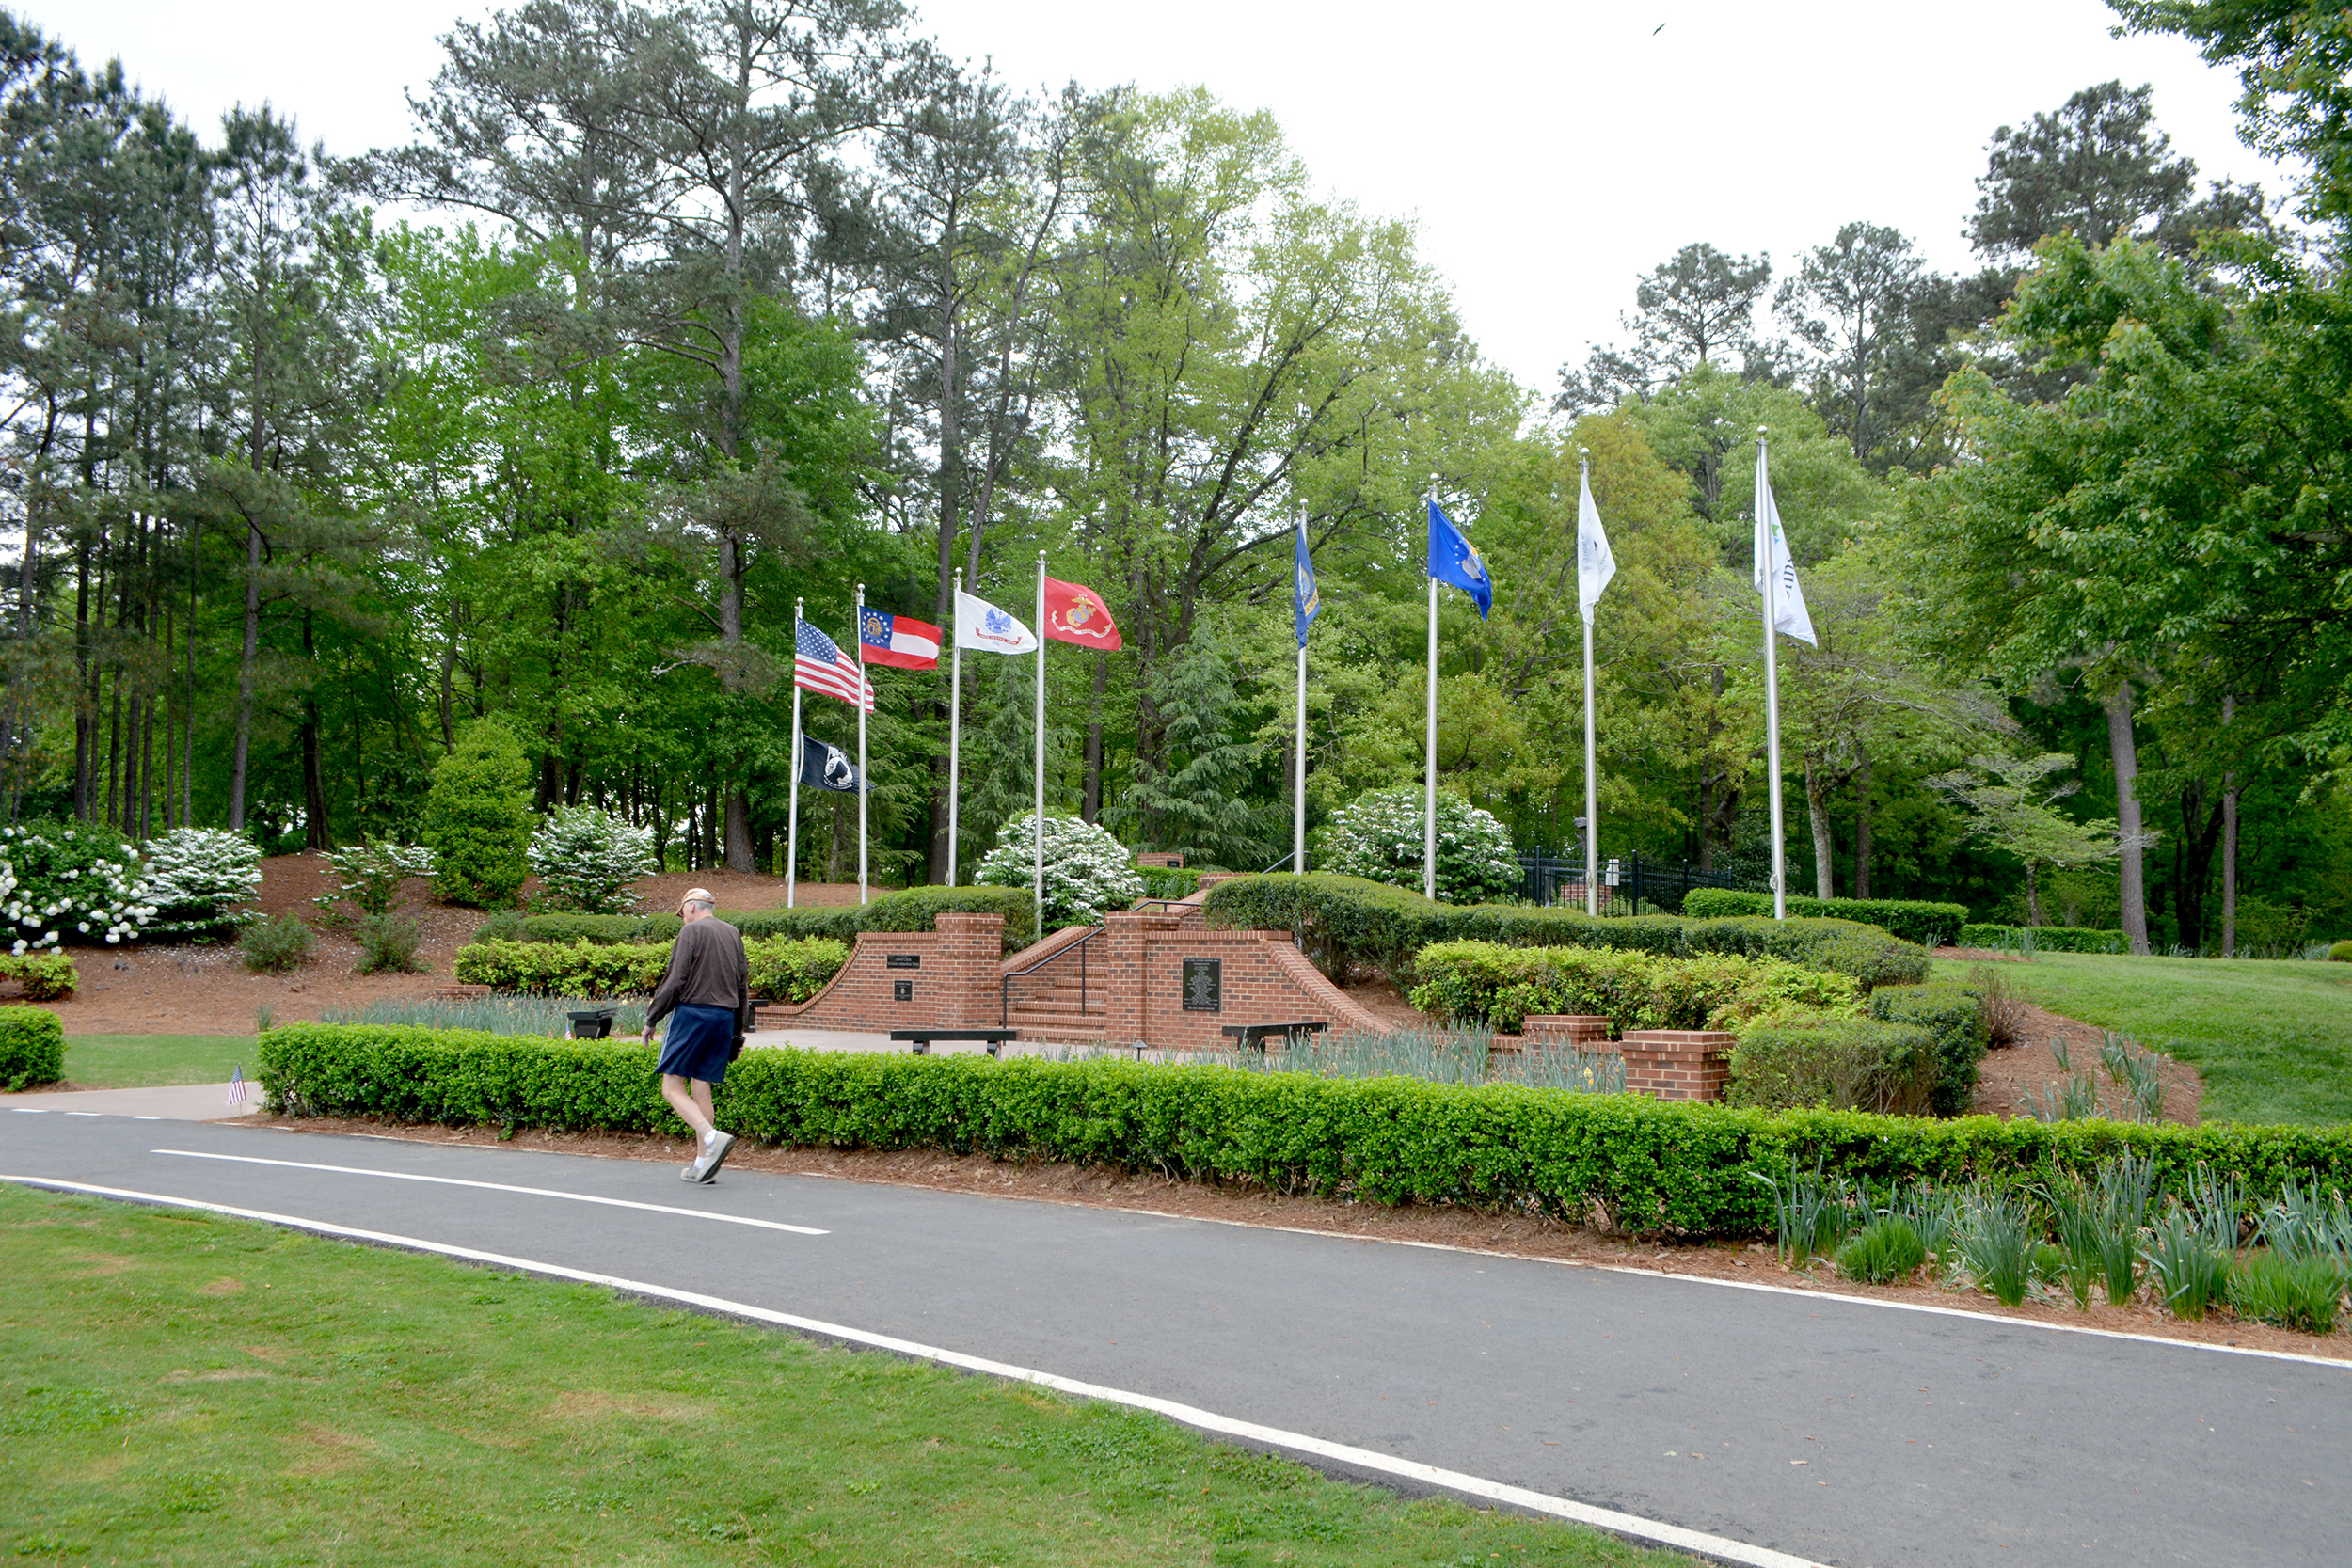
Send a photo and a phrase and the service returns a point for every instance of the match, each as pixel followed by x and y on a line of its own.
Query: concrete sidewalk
pixel 171 1102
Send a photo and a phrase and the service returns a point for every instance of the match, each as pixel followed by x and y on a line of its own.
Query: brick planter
pixel 1677 1064
pixel 1563 1032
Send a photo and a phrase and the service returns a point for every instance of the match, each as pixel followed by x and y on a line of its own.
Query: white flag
pixel 1772 553
pixel 982 626
pixel 1595 566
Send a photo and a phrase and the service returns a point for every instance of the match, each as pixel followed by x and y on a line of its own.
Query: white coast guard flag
pixel 1595 566
pixel 1771 545
pixel 982 626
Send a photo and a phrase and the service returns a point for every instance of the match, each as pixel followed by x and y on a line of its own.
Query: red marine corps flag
pixel 1076 614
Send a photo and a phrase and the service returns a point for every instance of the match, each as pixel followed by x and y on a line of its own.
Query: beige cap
pixel 696 895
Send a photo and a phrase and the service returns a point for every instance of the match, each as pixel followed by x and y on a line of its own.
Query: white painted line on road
pixel 30 1110
pixel 1631 1526
pixel 146 1118
pixel 86 1113
pixel 498 1187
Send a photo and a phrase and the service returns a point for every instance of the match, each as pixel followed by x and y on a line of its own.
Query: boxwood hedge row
pixel 1931 925
pixel 912 910
pixel 1348 923
pixel 782 969
pixel 2047 938
pixel 1685 1169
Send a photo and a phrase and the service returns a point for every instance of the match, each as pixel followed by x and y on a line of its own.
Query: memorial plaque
pixel 902 991
pixel 1205 985
pixel 903 960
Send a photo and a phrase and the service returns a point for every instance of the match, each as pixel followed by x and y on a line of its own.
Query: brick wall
pixel 1677 1064
pixel 953 984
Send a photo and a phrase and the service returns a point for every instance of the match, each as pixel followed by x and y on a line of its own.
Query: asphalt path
pixel 1835 1432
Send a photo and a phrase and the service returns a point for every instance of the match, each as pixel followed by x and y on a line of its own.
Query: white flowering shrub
pixel 370 875
pixel 586 858
pixel 68 881
pixel 1086 871
pixel 1379 836
pixel 194 875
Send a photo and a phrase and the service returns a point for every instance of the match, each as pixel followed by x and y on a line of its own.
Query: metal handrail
pixel 1004 985
pixel 1279 864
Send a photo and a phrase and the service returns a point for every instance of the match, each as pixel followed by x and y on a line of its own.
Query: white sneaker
pixel 714 1155
pixel 693 1172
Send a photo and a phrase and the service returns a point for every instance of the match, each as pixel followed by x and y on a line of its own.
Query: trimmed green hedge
pixel 1929 924
pixel 45 976
pixel 1348 923
pixel 1846 1064
pixel 1484 983
pixel 781 968
pixel 912 910
pixel 1678 1168
pixel 1169 882
pixel 2046 938
pixel 32 1047
pixel 1953 1015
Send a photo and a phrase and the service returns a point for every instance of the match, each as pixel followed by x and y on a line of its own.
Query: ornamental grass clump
pixel 69 883
pixel 2189 1273
pixel 2304 1293
pixel 585 860
pixel 1086 871
pixel 1811 1213
pixel 1884 1252
pixel 1997 1242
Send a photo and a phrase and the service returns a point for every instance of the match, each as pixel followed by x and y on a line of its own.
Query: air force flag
pixel 1305 603
pixel 825 767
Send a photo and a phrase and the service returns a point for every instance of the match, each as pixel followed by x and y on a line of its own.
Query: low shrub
pixel 1484 983
pixel 1346 923
pixel 586 858
pixel 32 1047
pixel 1886 1251
pixel 1681 1169
pixel 2340 953
pixel 1958 1018
pixel 368 876
pixel 784 968
pixel 69 884
pixel 1844 1064
pixel 196 875
pixel 914 908
pixel 2045 939
pixel 275 944
pixel 44 977
pixel 1169 882
pixel 478 818
pixel 1928 923
pixel 387 945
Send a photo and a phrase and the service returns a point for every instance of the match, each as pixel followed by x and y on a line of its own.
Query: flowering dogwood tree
pixel 1086 871
pixel 586 858
pixel 194 875
pixel 1379 836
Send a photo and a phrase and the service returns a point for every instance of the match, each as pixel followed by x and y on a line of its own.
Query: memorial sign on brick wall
pixel 1205 985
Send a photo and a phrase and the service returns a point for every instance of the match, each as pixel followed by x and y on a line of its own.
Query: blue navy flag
pixel 827 766
pixel 1454 560
pixel 1305 604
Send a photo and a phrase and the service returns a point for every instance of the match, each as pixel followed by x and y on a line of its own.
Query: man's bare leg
pixel 690 1098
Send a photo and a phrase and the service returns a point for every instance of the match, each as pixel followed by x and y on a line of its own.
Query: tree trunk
pixel 318 832
pixel 1817 788
pixel 2033 893
pixel 2229 842
pixel 244 676
pixel 1862 827
pixel 2124 752
pixel 1092 807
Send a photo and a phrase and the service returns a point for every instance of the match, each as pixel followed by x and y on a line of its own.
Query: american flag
pixel 820 666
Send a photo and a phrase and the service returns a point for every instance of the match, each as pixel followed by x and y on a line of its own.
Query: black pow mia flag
pixel 827 767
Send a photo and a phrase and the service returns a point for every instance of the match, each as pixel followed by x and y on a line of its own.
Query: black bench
pixel 1248 1035
pixel 921 1038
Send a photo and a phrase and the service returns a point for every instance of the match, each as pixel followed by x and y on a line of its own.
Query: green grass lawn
pixel 144 1061
pixel 2273 1040
pixel 179 1387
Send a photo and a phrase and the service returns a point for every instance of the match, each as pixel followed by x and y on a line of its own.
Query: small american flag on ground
pixel 239 1090
pixel 820 666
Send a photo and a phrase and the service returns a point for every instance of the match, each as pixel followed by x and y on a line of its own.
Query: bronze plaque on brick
pixel 902 991
pixel 903 960
pixel 1205 985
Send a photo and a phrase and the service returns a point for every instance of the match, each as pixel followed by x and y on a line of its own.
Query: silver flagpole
pixel 954 721
pixel 857 631
pixel 1429 800
pixel 1592 744
pixel 1298 802
pixel 1037 873
pixel 1772 672
pixel 793 814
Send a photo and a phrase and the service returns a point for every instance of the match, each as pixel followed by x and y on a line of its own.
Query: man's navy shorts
pixel 698 1043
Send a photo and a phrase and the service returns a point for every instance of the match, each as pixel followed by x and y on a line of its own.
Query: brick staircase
pixel 1053 1012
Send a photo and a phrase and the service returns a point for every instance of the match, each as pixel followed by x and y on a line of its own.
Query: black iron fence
pixel 1550 879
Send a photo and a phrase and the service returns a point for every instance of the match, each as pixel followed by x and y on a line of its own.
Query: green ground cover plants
pixel 2271 1038
pixel 182 1387
pixel 152 1061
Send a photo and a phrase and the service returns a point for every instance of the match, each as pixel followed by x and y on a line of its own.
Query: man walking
pixel 705 992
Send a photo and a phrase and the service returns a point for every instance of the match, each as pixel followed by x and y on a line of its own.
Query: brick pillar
pixel 1565 1032
pixel 1677 1064
pixel 971 963
pixel 1120 950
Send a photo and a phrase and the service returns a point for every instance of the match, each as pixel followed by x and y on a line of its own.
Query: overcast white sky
pixel 1549 151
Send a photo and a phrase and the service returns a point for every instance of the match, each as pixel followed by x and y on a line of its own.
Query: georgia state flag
pixel 899 640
